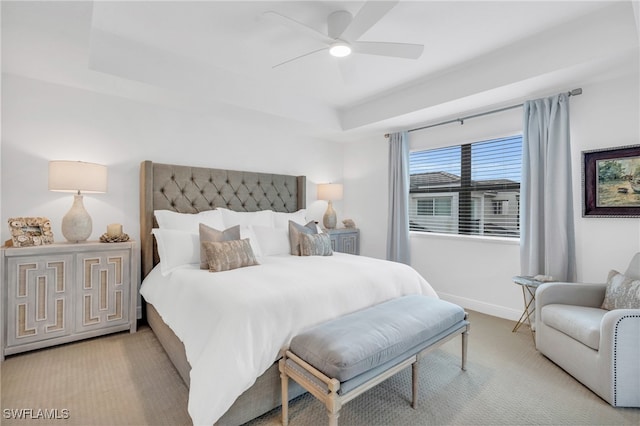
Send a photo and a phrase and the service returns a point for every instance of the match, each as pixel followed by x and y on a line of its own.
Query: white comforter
pixel 233 324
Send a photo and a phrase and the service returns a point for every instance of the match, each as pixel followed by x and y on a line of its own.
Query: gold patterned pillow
pixel 622 292
pixel 210 235
pixel 315 245
pixel 227 255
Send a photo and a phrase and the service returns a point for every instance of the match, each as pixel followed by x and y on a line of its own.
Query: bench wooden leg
pixel 333 418
pixel 333 402
pixel 285 393
pixel 414 384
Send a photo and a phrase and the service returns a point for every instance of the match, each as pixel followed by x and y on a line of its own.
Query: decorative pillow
pixel 176 248
pixel 189 222
pixel 228 255
pixel 315 245
pixel 210 235
pixel 272 241
pixel 622 292
pixel 281 219
pixel 246 219
pixel 295 230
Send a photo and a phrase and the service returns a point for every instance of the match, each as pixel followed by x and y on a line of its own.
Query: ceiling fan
pixel 344 30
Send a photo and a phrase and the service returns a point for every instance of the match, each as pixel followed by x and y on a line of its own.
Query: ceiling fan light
pixel 340 50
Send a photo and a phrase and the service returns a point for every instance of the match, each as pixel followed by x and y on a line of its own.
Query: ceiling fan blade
pixel 301 56
pixel 398 50
pixel 367 16
pixel 296 26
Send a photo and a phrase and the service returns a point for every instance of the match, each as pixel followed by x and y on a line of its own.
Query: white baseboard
pixel 482 307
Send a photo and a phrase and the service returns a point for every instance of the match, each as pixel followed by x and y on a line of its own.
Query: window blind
pixel 471 189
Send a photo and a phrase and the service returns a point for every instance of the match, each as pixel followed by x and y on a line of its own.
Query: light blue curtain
pixel 398 229
pixel 547 236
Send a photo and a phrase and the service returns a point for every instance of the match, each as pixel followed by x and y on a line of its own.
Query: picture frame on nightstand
pixel 30 231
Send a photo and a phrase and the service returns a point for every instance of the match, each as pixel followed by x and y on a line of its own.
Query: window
pixel 500 206
pixel 434 206
pixel 467 189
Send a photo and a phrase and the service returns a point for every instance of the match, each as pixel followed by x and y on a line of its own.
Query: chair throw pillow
pixel 622 292
pixel 210 235
pixel 228 255
pixel 315 245
pixel 295 229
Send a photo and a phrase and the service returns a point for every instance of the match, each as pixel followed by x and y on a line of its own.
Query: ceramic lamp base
pixel 329 219
pixel 76 224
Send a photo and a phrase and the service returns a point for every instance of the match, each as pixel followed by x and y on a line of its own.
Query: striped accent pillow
pixel 315 245
pixel 295 231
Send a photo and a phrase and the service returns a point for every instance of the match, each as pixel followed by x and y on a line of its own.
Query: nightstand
pixel 63 292
pixel 344 240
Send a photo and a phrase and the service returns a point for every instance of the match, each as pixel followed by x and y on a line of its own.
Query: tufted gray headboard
pixel 186 189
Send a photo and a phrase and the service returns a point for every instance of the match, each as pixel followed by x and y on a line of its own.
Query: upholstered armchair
pixel 599 347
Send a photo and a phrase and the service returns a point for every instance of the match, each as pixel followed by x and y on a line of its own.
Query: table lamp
pixel 329 192
pixel 77 176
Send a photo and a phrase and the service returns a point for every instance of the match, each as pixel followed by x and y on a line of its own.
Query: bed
pixel 224 331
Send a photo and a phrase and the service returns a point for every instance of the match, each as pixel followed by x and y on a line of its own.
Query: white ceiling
pixel 213 53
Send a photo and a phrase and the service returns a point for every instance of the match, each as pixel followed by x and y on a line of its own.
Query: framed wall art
pixel 30 231
pixel 611 182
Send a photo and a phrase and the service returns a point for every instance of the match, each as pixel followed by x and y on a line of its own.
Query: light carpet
pixel 126 379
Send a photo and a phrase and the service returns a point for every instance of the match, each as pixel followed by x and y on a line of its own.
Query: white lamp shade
pixel 330 191
pixel 76 176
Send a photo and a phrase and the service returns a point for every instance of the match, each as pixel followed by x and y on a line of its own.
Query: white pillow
pixel 281 220
pixel 255 245
pixel 272 241
pixel 176 248
pixel 189 222
pixel 246 219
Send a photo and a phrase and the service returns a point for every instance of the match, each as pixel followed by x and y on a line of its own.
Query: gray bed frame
pixel 186 189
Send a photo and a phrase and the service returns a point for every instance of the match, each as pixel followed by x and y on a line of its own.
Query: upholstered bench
pixel 340 359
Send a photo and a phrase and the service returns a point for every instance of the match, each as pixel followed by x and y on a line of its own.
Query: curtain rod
pixel 574 92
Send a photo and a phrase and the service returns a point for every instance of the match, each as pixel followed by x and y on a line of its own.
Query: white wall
pixel 366 193
pixel 44 121
pixel 607 115
pixel 476 272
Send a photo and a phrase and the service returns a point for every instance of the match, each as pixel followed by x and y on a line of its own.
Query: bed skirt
pixel 259 399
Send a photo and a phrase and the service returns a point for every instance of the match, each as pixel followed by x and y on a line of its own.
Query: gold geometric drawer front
pixel 104 294
pixel 40 299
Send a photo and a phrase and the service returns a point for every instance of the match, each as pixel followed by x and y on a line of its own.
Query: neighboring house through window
pixel 467 189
